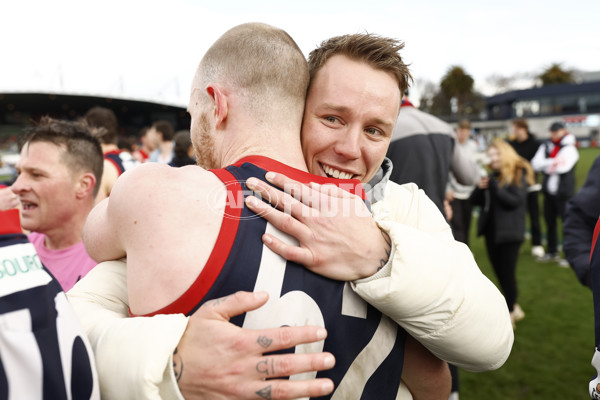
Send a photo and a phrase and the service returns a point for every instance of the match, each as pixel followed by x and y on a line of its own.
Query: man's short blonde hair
pixel 381 53
pixel 263 63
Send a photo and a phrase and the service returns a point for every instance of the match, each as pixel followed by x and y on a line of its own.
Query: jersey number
pixel 297 308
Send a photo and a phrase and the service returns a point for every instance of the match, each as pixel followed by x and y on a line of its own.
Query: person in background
pixel 416 138
pixel 146 146
pixel 104 126
pixel 526 144
pixel 459 195
pixel 502 197
pixel 183 150
pixel 556 160
pixel 423 150
pixel 59 168
pixel 594 385
pixel 161 135
pixel 44 352
pixel 581 213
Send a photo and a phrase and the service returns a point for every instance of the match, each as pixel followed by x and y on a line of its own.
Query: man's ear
pixel 220 102
pixel 85 185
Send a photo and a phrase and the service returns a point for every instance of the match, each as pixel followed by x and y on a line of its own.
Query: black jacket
pixel 527 148
pixel 502 214
pixel 581 214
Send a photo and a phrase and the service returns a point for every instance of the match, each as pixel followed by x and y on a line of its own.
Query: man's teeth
pixel 335 173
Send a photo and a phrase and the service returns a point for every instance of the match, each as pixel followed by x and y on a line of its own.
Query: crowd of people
pixel 176 289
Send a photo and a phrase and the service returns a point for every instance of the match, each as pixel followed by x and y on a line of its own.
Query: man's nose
pixel 349 145
pixel 18 185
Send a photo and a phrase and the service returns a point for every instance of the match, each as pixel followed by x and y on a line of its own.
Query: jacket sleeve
pixel 433 288
pixel 464 167
pixel 133 355
pixel 578 231
pixel 509 196
pixel 566 159
pixel 540 162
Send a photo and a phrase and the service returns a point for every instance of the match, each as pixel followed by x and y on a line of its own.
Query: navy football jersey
pixel 368 346
pixel 44 353
pixel 121 160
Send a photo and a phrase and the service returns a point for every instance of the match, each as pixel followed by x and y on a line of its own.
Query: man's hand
pixel 337 235
pixel 218 360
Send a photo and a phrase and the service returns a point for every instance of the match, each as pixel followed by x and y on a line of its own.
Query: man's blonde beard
pixel 204 148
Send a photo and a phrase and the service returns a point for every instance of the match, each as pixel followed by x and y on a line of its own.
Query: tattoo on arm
pixel 388 250
pixel 265 393
pixel 177 365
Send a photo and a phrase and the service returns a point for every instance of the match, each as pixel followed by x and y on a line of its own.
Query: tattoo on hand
pixel 177 365
pixel 216 302
pixel 388 250
pixel 264 342
pixel 265 392
pixel 262 367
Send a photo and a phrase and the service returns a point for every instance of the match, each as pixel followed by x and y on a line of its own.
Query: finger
pixel 235 304
pixel 290 252
pixel 279 199
pixel 285 337
pixel 275 366
pixel 280 389
pixel 299 191
pixel 282 221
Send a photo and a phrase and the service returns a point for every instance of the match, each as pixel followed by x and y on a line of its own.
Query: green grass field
pixel 554 344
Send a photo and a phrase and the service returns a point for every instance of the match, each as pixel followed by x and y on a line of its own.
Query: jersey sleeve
pixel 433 287
pixel 133 355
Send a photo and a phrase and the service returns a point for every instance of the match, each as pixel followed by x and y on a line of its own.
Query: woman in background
pixel 502 196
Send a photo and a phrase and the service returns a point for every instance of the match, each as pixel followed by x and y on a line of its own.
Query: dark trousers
pixel 554 207
pixel 462 210
pixel 503 257
pixel 533 208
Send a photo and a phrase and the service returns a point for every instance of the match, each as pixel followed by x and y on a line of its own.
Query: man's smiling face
pixel 349 116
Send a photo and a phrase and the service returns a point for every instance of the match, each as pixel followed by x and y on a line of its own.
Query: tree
pixel 555 74
pixel 427 91
pixel 457 84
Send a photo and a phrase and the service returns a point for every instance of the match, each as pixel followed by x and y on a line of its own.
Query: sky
pixel 150 49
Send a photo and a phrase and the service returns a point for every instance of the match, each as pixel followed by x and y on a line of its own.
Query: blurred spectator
pixel 146 146
pixel 59 169
pixel 104 126
pixel 161 134
pixel 526 145
pixel 45 353
pixel 594 385
pixel 556 160
pixel 7 173
pixel 459 195
pixel 183 150
pixel 127 144
pixel 423 150
pixel 503 197
pixel 581 214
